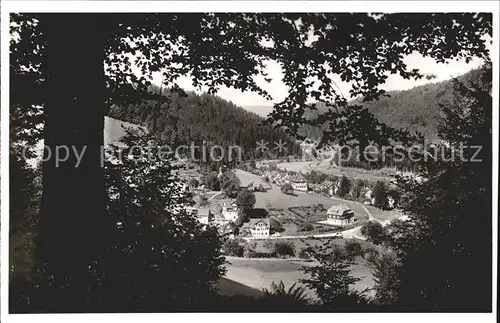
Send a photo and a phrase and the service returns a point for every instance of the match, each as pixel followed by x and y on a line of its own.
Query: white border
pixel 4 163
pixel 239 6
pixel 251 6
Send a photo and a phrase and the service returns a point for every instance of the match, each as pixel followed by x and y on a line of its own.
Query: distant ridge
pixel 416 109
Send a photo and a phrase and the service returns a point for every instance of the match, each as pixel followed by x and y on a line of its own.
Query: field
pixel 230 288
pixel 246 178
pixel 274 198
pixel 356 173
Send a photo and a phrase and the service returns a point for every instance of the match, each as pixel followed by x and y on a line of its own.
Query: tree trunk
pixel 73 220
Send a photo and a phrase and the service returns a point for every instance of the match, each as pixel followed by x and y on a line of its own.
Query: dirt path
pixel 216 194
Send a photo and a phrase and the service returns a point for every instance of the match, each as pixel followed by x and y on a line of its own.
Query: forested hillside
pixel 180 120
pixel 416 109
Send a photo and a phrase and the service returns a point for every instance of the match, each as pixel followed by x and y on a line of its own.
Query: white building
pixel 299 183
pixel 307 148
pixel 230 211
pixel 205 216
pixel 259 228
pixel 339 215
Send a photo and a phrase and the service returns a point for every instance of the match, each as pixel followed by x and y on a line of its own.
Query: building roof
pixel 299 178
pixel 258 213
pixel 327 183
pixel 340 210
pixel 253 222
pixel 228 227
pixel 205 211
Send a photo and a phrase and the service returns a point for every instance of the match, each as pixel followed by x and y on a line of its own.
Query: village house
pixel 339 215
pixel 330 187
pixel 228 229
pixel 366 195
pixel 205 216
pixel 192 210
pixel 258 228
pixel 299 183
pixel 230 211
pixel 335 188
pixel 325 187
pixel 307 149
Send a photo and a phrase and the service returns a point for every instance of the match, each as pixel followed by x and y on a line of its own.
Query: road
pixel 216 194
pixel 347 234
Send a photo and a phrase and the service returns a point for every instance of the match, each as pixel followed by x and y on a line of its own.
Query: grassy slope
pixel 228 287
pixel 114 129
pixel 260 273
pixel 356 173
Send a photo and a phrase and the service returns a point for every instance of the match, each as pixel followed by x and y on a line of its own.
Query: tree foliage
pixel 230 183
pixel 211 181
pixel 441 243
pixel 233 247
pixel 380 194
pixel 287 188
pixel 275 225
pixel 194 183
pixel 294 294
pixel 155 247
pixel 332 279
pixel 205 121
pixel 374 232
pixel 223 49
pixel 345 186
pixel 245 200
pixel 357 188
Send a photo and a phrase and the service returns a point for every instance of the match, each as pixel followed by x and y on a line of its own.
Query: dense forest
pixel 183 118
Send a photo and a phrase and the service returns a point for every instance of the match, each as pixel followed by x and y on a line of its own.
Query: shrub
pixel 305 226
pixel 303 253
pixel 194 183
pixel 284 248
pixel 230 183
pixel 275 225
pixel 233 247
pixel 294 294
pixel 211 181
pixel 287 188
pixel 249 249
pixel 354 249
pixel 204 200
pixel 269 245
pixel 374 232
pixel 358 187
pixel 380 193
pixel 345 186
pixel 245 199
